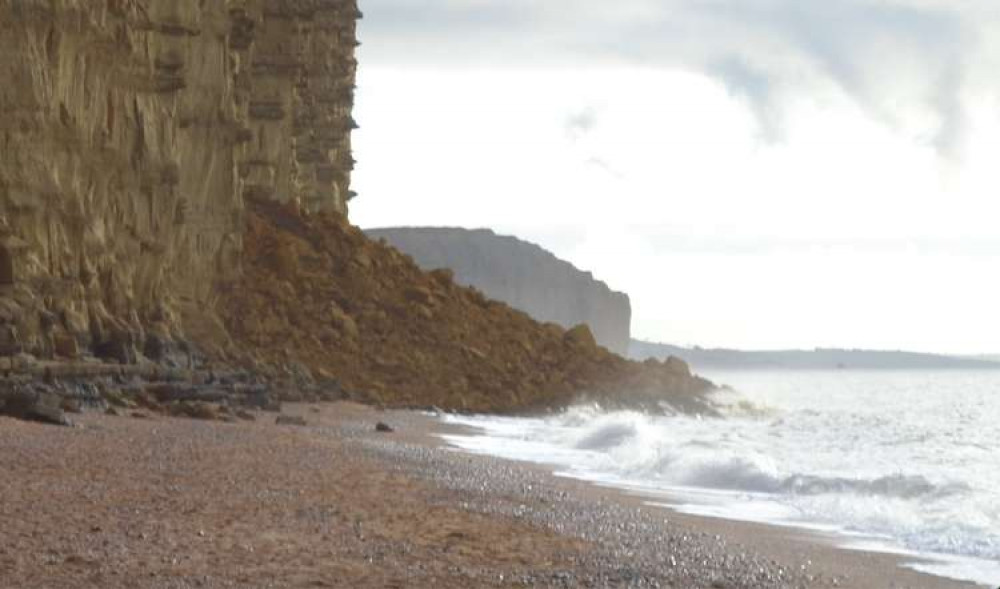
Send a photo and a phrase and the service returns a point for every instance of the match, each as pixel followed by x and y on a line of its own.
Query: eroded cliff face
pixel 522 275
pixel 177 171
pixel 133 132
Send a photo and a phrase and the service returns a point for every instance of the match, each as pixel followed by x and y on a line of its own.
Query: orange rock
pixel 580 336
pixel 390 333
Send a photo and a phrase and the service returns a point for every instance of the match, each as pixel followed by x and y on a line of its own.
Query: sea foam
pixel 904 460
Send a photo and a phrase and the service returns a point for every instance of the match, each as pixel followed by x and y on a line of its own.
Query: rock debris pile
pixel 315 292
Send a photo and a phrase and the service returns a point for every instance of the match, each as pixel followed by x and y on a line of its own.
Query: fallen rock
pixel 677 366
pixel 419 294
pixel 71 406
pixel 420 338
pixel 116 398
pixel 245 415
pixel 580 336
pixel 290 420
pixel 148 401
pixel 194 410
pixel 384 427
pixel 30 404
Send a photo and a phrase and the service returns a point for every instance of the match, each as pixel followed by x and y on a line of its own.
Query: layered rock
pixel 176 171
pixel 133 131
pixel 522 275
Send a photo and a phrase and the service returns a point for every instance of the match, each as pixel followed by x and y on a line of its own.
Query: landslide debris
pixel 521 274
pixel 316 292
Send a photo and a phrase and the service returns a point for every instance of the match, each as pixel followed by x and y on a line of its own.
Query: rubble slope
pixel 315 290
pixel 521 274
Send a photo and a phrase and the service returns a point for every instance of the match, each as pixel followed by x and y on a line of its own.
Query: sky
pixel 756 174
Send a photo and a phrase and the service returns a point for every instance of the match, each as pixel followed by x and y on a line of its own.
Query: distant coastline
pixel 817 359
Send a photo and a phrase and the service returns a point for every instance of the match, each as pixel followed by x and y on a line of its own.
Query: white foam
pixel 909 461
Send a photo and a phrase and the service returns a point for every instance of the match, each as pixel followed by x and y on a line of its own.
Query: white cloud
pixel 755 173
pixel 910 63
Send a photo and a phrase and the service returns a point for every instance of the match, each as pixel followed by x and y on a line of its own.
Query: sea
pixel 906 462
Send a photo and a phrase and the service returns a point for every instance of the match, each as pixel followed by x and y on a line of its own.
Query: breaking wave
pixel 642 450
pixel 913 465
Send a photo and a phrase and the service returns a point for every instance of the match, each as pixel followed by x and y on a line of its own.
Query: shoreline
pixel 704 507
pixel 167 502
pixel 829 552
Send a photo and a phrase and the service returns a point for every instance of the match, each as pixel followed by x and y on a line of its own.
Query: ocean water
pixel 900 461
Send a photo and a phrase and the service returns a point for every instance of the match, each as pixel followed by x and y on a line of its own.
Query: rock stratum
pixel 521 274
pixel 133 133
pixel 174 178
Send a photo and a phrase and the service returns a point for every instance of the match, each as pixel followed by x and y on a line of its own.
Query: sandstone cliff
pixel 174 177
pixel 522 275
pixel 132 132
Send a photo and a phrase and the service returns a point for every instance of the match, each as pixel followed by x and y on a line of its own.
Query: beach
pixel 160 502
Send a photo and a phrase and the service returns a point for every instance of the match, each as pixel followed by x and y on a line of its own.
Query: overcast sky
pixel 754 173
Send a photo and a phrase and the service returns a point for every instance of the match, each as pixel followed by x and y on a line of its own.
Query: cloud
pixel 581 123
pixel 757 88
pixel 906 62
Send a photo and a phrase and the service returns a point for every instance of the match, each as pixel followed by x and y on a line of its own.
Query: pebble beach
pixel 177 503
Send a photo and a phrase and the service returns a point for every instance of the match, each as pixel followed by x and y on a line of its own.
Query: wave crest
pixel 636 446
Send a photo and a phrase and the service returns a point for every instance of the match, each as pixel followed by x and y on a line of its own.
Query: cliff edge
pixel 521 274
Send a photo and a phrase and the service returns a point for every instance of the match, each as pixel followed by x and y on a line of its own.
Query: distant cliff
pixel 521 274
pixel 818 359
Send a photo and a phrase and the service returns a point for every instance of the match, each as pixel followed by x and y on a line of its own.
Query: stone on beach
pixel 31 404
pixel 290 420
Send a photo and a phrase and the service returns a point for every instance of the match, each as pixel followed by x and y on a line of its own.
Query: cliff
pixel 132 133
pixel 817 359
pixel 174 178
pixel 522 275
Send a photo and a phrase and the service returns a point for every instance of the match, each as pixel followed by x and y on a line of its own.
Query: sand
pixel 176 503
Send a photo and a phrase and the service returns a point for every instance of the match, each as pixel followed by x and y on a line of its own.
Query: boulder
pixel 581 337
pixel 344 323
pixel 71 406
pixel 33 404
pixel 290 420
pixel 419 294
pixel 444 276
pixel 677 366
pixel 194 410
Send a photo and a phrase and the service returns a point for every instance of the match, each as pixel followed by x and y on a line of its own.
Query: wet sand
pixel 176 503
